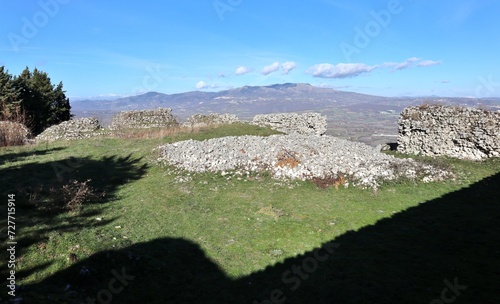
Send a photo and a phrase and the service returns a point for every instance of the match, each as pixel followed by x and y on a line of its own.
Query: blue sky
pixel 387 47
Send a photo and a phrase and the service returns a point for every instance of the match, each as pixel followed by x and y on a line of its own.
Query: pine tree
pixel 9 96
pixel 43 103
pixel 60 107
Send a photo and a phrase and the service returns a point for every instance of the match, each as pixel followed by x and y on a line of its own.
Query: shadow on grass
pixel 441 251
pixel 17 156
pixel 36 214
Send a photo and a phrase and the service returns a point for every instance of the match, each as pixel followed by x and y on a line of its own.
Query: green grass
pixel 183 239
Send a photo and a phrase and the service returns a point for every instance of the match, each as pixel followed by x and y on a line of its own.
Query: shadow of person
pixel 166 270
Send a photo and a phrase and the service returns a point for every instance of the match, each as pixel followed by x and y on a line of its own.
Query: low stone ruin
pixel 199 120
pixel 158 118
pixel 461 132
pixel 290 123
pixel 71 129
pixel 306 123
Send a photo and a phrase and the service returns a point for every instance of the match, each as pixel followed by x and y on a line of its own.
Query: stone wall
pixel 291 123
pixel 71 129
pixel 158 118
pixel 199 120
pixel 465 133
pixel 307 123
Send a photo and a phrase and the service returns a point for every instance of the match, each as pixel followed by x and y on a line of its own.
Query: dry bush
pixel 13 130
pixel 271 211
pixel 424 106
pixel 484 108
pixel 327 181
pixel 70 196
pixel 155 133
pixel 287 158
pixel 12 134
pixel 75 194
pixel 415 116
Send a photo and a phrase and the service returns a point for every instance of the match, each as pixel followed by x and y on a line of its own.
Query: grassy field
pixel 149 233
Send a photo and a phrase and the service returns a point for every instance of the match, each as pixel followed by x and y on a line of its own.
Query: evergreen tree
pixel 60 107
pixel 9 96
pixel 43 103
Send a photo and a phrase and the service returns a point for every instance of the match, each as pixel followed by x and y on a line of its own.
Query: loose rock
pixel 295 156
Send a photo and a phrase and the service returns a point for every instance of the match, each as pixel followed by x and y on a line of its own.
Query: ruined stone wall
pixel 71 129
pixel 199 120
pixel 158 118
pixel 465 133
pixel 307 123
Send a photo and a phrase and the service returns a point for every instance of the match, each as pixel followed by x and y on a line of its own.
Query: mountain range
pixel 250 100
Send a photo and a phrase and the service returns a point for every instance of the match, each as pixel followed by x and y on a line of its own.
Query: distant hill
pixel 250 100
pixel 366 118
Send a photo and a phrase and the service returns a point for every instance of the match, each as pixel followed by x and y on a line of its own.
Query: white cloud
pixel 201 85
pixel 270 68
pixel 427 63
pixel 287 67
pixel 341 70
pixel 411 62
pixel 346 70
pixel 241 70
pixel 396 66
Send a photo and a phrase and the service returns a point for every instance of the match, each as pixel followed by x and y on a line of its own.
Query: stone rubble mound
pixel 200 120
pixel 72 129
pixel 461 132
pixel 295 156
pixel 306 123
pixel 158 118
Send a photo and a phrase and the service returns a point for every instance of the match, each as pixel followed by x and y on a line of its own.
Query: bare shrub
pixel 70 196
pixel 327 181
pixel 12 134
pixel 271 211
pixel 13 130
pixel 157 133
pixel 75 194
pixel 287 158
